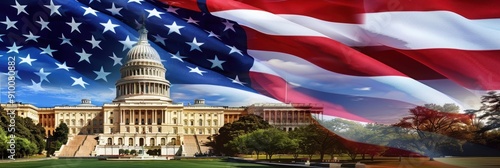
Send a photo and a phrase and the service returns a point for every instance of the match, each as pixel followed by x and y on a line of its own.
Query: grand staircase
pixel 79 146
pixel 190 146
pixel 72 146
pixel 88 146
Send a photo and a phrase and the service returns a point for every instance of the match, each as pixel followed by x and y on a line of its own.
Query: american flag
pixel 367 61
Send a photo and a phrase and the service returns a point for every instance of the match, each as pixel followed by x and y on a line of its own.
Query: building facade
pixel 143 113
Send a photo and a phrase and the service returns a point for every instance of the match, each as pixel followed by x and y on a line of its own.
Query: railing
pixel 197 143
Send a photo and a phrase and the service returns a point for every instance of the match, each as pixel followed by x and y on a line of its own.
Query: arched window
pixel 110 141
pixel 130 142
pixel 162 141
pixel 120 141
pixel 200 122
pixel 152 142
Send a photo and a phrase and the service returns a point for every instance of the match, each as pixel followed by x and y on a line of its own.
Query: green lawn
pixel 86 163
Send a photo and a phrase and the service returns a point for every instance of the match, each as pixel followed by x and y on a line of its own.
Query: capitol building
pixel 143 114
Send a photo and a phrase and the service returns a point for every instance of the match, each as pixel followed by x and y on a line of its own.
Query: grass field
pixel 453 162
pixel 80 163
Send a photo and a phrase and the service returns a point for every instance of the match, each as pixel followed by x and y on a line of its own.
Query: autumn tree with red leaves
pixel 430 130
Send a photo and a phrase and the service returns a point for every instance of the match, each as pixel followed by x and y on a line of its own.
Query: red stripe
pixel 467 8
pixel 476 70
pixel 324 52
pixel 345 11
pixel 273 86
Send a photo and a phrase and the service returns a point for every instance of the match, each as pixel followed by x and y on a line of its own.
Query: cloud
pixel 363 89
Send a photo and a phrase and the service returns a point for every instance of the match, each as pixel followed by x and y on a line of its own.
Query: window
pixel 136 129
pixel 200 131
pixel 175 120
pixel 127 129
pixel 81 114
pixel 175 130
pixel 111 130
pixel 159 129
pixel 185 122
pixel 111 121
pixel 215 115
pixel 200 122
pixel 215 122
pixel 73 115
pixel 192 122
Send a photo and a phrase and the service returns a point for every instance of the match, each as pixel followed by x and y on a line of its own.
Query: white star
pixel 154 12
pixel 195 45
pixel 31 37
pixel 65 40
pixel 27 60
pixel 74 25
pixel 237 81
pixel 53 8
pixel 93 1
pixel 191 20
pixel 216 62
pixel 1 37
pixel 14 48
pixel 47 50
pixel 63 66
pixel 127 44
pixel 89 10
pixel 109 26
pixel 114 10
pixel 172 10
pixel 43 75
pixel 9 23
pixel 159 39
pixel 136 1
pixel 84 56
pixel 44 24
pixel 228 25
pixel 174 28
pixel 95 43
pixel 116 60
pixel 212 34
pixel 177 56
pixel 15 72
pixel 234 50
pixel 78 81
pixel 101 74
pixel 20 8
pixel 36 86
pixel 196 70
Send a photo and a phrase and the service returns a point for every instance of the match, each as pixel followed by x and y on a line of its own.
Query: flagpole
pixel 286 89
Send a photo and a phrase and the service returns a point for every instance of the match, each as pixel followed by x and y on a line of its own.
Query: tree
pixel 429 130
pixel 59 138
pixel 229 131
pixel 126 151
pixel 3 142
pixel 489 111
pixel 61 133
pixel 271 141
pixel 314 138
pixel 121 151
pixel 133 152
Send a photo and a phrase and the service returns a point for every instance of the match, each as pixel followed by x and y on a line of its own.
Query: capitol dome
pixel 143 75
pixel 142 50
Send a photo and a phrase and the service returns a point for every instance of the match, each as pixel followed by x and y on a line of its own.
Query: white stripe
pixel 219 95
pixel 402 30
pixel 301 73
